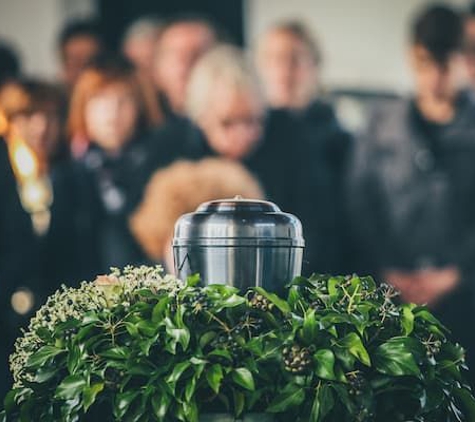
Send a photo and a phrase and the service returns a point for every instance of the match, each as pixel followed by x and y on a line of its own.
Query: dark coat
pixel 413 202
pixel 18 262
pixel 296 168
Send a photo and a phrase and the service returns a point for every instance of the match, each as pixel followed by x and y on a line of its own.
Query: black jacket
pixel 413 190
pixel 295 164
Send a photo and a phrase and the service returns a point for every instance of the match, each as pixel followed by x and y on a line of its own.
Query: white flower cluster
pixel 117 288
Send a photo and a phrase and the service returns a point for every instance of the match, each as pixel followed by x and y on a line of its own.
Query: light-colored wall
pixel 364 41
pixel 32 26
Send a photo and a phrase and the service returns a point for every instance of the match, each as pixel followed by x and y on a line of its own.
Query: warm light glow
pixel 23 159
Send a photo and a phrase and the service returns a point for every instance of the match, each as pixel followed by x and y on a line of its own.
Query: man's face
pixel 140 51
pixel 76 55
pixel 288 70
pixel 178 48
pixel 470 48
pixel 233 121
pixel 434 80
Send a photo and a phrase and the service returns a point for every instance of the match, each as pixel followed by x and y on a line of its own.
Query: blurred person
pixel 227 118
pixel 179 189
pixel 9 63
pixel 39 157
pixel 110 108
pixel 414 179
pixel 17 266
pixel 289 60
pixel 80 41
pixel 138 44
pixel 183 40
pixel 470 43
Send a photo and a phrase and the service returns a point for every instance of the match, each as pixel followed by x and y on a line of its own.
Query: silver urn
pixel 239 242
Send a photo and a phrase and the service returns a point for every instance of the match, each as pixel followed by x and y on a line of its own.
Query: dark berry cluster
pixel 297 359
pixel 249 324
pixel 257 301
pixel 356 381
pixel 197 301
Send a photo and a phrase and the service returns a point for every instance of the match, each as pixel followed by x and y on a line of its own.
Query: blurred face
pixel 179 47
pixel 77 54
pixel 40 130
pixel 470 48
pixel 233 122
pixel 140 50
pixel 111 117
pixel 435 81
pixel 288 70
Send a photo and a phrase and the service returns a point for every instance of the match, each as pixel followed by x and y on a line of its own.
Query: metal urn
pixel 239 242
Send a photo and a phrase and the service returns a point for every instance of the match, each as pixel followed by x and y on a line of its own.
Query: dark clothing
pixel 413 197
pixel 17 263
pixel 107 191
pixel 413 201
pixel 294 167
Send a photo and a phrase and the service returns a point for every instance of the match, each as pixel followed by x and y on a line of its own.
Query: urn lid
pixel 238 222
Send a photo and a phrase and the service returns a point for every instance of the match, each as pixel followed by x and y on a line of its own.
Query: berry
pixel 261 303
pixel 297 359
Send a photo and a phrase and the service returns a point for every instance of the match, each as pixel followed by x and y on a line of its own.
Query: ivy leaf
pixel 407 319
pixel 214 376
pixel 396 358
pixel 322 403
pixel 281 304
pixel 310 326
pixel 244 378
pixel 70 387
pixel 90 394
pixel 42 356
pixel 291 396
pixel 123 402
pixel 177 372
pixel 352 342
pixel 324 364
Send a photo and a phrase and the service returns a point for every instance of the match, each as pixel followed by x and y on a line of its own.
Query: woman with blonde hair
pixel 179 189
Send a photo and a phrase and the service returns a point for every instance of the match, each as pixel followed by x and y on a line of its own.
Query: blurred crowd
pixel 97 167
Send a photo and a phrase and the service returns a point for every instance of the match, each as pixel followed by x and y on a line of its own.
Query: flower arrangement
pixel 138 345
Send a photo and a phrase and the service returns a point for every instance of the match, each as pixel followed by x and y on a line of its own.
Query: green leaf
pixel 160 404
pixel 74 358
pixel 70 387
pixel 90 394
pixel 352 342
pixel 396 357
pixel 281 304
pixel 291 396
pixel 177 372
pixel 407 319
pixel 244 378
pixel 123 402
pixel 42 356
pixel 310 327
pixel 119 353
pixel 324 364
pixel 159 309
pixel 214 376
pixel 232 301
pixel 193 280
pixel 322 403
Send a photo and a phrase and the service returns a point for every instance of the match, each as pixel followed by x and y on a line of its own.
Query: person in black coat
pixel 18 267
pixel 413 183
pixel 111 111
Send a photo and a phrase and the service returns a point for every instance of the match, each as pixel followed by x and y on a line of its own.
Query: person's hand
pixel 426 286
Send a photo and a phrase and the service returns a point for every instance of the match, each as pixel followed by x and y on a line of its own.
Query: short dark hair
pixel 80 28
pixel 439 29
pixel 9 63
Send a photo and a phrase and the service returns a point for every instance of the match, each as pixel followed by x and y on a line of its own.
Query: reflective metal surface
pixel 243 243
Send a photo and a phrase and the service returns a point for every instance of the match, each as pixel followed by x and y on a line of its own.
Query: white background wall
pixel 32 27
pixel 364 41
